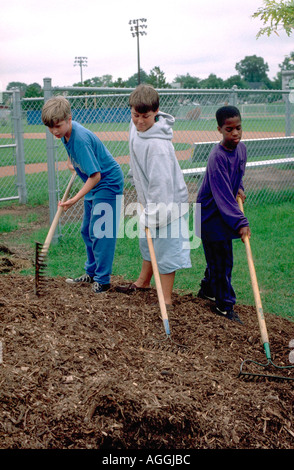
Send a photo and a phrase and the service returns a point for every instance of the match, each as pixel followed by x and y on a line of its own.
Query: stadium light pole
pixel 81 62
pixel 136 30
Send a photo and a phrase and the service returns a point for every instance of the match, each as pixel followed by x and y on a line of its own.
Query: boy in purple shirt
pixel 221 218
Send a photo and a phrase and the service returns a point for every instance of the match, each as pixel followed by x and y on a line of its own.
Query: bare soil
pixel 96 371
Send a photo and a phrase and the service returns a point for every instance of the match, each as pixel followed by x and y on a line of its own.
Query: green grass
pixel 8 224
pixel 266 123
pixel 271 243
pixel 35 149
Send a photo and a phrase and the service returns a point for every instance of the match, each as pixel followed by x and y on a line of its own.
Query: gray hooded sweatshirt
pixel 156 173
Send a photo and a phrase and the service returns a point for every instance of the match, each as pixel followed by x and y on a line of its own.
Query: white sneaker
pixel 84 278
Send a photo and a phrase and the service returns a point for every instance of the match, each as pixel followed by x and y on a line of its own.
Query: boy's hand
pixel 243 232
pixel 67 204
pixel 241 194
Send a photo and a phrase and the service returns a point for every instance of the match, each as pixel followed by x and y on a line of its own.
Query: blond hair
pixel 55 110
pixel 144 99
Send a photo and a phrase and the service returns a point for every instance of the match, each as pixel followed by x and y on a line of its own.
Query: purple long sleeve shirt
pixel 221 217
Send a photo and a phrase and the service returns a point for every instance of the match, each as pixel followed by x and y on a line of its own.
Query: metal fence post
pixel 51 164
pixel 234 96
pixel 287 113
pixel 20 160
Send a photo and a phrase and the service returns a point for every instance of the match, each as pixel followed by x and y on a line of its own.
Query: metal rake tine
pixel 39 266
pixel 167 343
pixel 42 250
pixel 258 305
pixel 265 366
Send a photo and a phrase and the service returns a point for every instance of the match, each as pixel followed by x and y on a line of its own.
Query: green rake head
pixel 269 368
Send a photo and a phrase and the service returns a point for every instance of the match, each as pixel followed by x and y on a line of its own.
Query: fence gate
pixel 12 164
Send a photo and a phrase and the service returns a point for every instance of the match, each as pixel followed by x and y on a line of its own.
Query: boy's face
pixel 231 132
pixel 62 129
pixel 143 121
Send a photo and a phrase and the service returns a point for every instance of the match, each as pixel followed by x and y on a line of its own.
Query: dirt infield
pixel 188 137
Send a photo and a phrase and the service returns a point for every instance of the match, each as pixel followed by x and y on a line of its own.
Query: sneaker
pixel 202 295
pixel 130 288
pixel 98 288
pixel 84 278
pixel 229 314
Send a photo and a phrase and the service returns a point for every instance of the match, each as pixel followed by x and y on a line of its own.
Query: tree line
pixel 252 72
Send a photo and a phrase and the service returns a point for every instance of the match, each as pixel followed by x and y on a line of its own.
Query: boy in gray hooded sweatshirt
pixel 161 191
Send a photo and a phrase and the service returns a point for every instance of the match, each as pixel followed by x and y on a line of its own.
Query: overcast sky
pixel 41 39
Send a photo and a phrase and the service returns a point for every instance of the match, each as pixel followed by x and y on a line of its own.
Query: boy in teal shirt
pixel 102 190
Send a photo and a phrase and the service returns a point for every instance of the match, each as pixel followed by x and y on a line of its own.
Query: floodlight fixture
pixel 136 32
pixel 81 61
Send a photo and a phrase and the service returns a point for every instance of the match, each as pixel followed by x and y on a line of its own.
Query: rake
pixel 42 250
pixel 262 325
pixel 160 296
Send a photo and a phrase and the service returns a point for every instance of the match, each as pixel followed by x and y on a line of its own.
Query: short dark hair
pixel 226 112
pixel 144 99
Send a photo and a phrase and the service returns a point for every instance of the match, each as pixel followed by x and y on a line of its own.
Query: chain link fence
pixel 267 119
pixel 7 151
pixel 12 169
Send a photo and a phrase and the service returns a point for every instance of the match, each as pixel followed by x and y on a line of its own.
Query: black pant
pixel 217 279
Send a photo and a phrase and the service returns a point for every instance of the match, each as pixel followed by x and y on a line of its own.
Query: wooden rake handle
pixel 258 304
pixel 157 282
pixel 57 217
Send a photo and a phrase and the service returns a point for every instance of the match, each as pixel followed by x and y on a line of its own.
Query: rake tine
pixel 266 375
pixel 40 266
pixel 259 312
pixel 37 269
pixel 166 344
pixel 42 250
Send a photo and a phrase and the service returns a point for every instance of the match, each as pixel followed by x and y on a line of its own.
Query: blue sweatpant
pixel 218 274
pixel 99 231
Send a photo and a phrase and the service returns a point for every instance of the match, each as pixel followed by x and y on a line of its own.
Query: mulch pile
pixel 86 371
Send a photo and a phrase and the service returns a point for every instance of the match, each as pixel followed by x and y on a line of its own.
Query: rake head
pixel 166 344
pixel 40 266
pixel 269 368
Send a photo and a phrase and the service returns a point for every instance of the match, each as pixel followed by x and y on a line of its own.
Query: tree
pixel 156 78
pixel 235 80
pixel 28 91
pixel 252 69
pixel 288 62
pixel 132 81
pixel 187 81
pixel 119 83
pixel 104 81
pixel 17 86
pixel 34 90
pixel 278 14
pixel 212 81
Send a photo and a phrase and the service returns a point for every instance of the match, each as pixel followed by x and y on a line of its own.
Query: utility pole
pixel 136 31
pixel 81 62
